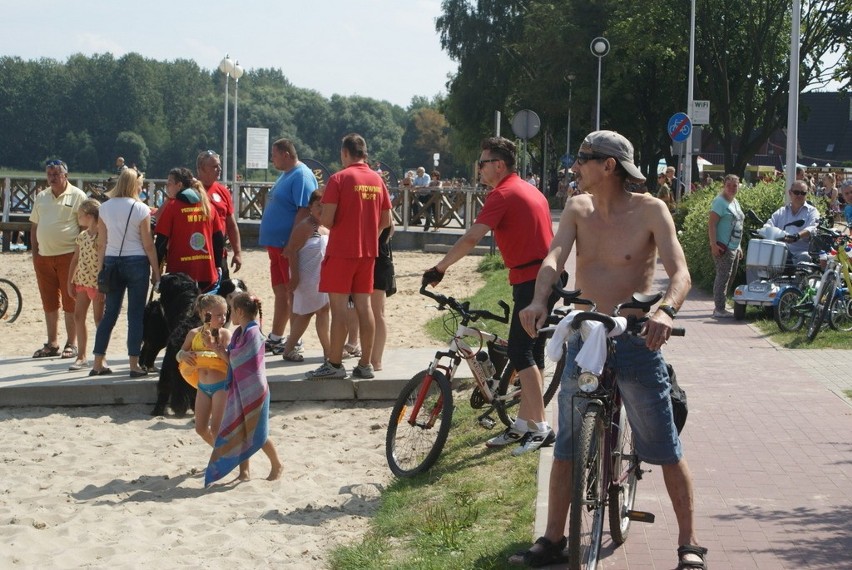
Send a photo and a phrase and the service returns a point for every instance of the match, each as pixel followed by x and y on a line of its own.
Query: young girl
pixel 204 368
pixel 305 251
pixel 83 278
pixel 245 427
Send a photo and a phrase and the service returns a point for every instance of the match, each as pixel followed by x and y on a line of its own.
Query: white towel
pixel 592 355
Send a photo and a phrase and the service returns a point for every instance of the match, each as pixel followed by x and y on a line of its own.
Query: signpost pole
pixel 687 171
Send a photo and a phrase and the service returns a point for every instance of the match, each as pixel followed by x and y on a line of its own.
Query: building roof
pixel 825 128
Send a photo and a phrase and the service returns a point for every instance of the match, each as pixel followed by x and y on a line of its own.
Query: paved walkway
pixel 769 443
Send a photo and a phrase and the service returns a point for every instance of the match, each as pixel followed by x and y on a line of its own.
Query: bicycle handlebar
pixel 464 308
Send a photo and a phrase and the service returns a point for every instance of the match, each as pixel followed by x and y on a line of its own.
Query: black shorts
pixel 382 274
pixel 524 350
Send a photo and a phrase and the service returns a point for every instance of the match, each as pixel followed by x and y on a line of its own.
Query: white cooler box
pixel 766 253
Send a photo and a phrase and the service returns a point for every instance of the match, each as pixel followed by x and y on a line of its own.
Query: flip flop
pixel 46 351
pixel 101 372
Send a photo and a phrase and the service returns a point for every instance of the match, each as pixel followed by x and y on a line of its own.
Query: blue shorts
pixel 645 390
pixel 211 389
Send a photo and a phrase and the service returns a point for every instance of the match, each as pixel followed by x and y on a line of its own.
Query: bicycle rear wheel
pixel 787 316
pixel 625 463
pixel 551 376
pixel 11 301
pixel 840 313
pixel 419 424
pixel 822 303
pixel 587 501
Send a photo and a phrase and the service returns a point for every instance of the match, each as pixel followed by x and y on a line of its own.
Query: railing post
pixel 468 208
pixel 406 207
pixel 236 194
pixel 7 198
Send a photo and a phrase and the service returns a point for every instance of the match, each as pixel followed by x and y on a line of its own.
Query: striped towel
pixel 245 425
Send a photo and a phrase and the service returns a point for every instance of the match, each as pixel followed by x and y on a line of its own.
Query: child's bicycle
pixel 606 468
pixel 10 301
pixel 421 417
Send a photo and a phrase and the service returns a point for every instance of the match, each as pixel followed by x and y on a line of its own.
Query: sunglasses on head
pixel 584 157
pixel 798 193
pixel 50 163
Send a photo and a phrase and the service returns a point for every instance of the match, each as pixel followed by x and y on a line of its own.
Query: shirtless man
pixel 618 237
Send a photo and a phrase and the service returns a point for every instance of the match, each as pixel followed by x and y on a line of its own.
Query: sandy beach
pixel 111 486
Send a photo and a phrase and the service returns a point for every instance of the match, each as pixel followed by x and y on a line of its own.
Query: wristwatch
pixel 668 309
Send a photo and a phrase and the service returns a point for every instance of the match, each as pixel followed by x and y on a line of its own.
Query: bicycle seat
pixel 641 301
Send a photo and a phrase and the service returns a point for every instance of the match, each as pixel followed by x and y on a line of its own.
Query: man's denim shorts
pixel 645 387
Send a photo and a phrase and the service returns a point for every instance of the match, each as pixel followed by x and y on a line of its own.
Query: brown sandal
pixel 47 351
pixel 70 351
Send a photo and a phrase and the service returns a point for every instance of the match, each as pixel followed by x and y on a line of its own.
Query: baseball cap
pixel 611 143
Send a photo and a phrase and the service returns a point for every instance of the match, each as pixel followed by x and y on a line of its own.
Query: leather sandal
pixel 551 553
pixel 688 549
pixel 46 351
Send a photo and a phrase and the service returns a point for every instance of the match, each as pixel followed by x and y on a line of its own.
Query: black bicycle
pixel 11 301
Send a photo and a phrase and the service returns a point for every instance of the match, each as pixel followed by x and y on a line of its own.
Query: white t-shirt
pixel 114 214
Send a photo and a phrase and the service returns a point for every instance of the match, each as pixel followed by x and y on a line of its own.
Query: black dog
pixel 169 320
pixel 166 324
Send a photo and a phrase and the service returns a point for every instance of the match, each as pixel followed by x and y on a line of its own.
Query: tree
pixel 132 147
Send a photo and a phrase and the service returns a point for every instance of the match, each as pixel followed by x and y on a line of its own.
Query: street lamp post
pixel 568 138
pixel 237 73
pixel 599 47
pixel 226 66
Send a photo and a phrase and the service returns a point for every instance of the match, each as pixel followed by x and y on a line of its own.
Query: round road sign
pixel 526 124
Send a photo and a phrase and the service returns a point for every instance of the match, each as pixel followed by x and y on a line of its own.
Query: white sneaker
pixel 327 372
pixel 365 371
pixel 532 440
pixel 509 436
pixel 723 314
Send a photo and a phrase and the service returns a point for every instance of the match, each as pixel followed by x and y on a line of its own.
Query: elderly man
pixel 422 181
pixel 619 236
pixel 286 205
pixel 208 168
pixel 520 218
pixel 798 237
pixel 54 232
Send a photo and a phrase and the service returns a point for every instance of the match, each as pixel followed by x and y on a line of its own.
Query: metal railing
pixel 453 207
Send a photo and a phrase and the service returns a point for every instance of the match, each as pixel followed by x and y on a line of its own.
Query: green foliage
pixel 491 263
pixel 133 148
pixel 473 509
pixel 827 337
pixel 496 288
pixel 764 198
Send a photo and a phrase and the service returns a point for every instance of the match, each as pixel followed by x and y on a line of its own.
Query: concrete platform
pixel 48 382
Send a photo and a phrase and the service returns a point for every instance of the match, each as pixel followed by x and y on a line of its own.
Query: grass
pixel 827 337
pixel 473 509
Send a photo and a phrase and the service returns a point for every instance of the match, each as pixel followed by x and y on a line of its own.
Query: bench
pixel 10 228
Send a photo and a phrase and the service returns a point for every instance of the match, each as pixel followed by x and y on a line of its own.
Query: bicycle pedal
pixel 486 422
pixel 640 516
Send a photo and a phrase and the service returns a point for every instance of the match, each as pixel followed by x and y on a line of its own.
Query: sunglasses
pixel 50 163
pixel 584 157
pixel 798 193
pixel 487 160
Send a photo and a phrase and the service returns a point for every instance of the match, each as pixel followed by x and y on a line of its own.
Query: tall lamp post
pixel 568 138
pixel 599 47
pixel 237 72
pixel 226 66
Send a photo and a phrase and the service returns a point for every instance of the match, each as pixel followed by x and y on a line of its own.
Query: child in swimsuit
pixel 245 429
pixel 202 366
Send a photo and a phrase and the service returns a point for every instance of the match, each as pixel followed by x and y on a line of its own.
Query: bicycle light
pixel 588 382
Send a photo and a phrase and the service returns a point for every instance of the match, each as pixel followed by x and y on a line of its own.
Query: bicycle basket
pixel 820 242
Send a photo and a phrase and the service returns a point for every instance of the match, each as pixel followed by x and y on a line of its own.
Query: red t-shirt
pixel 190 235
pixel 520 217
pixel 220 198
pixel 360 195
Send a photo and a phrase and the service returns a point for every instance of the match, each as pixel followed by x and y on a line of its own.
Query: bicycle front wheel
pixel 10 301
pixel 840 313
pixel 419 424
pixel 625 464
pixel 587 501
pixel 787 316
pixel 822 303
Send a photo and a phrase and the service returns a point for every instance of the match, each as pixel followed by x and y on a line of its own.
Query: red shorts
pixel 279 266
pixel 52 277
pixel 90 292
pixel 347 275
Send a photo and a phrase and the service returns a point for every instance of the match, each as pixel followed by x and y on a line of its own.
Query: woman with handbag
pixel 126 258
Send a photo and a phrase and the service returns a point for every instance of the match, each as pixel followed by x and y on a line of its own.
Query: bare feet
pixel 376 366
pixel 275 474
pixel 244 475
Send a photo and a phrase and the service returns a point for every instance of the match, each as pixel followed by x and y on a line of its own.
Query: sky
pixel 384 49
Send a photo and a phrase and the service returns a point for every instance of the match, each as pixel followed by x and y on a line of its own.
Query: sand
pixel 110 486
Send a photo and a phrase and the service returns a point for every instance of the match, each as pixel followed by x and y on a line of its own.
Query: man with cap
pixel 618 236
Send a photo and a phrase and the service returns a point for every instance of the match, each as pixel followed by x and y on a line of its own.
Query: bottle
pixel 486 364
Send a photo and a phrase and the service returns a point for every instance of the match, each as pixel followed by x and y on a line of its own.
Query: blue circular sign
pixel 679 127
